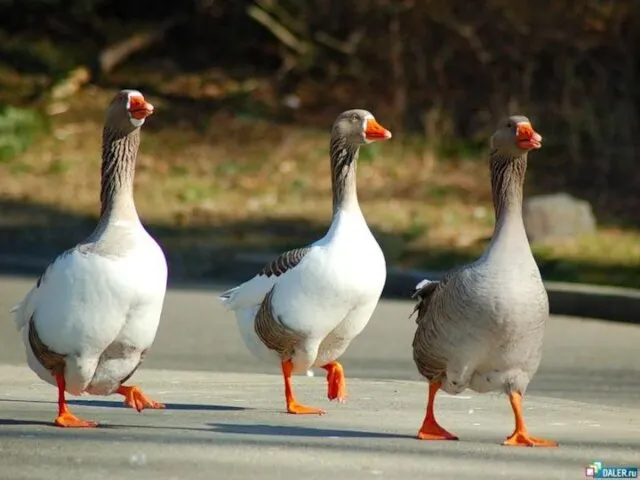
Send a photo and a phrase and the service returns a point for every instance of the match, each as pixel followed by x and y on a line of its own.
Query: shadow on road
pixel 167 406
pixel 116 404
pixel 292 431
pixel 12 422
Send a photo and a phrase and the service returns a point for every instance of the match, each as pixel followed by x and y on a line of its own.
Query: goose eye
pixel 355 118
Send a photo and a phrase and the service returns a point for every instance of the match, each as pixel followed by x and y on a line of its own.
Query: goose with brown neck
pixel 93 314
pixel 481 327
pixel 304 308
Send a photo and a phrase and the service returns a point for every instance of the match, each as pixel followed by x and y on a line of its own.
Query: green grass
pixel 19 128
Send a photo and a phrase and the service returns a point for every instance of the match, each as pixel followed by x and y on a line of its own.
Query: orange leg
pixel 134 398
pixel 292 405
pixel 520 437
pixel 65 418
pixel 337 387
pixel 430 429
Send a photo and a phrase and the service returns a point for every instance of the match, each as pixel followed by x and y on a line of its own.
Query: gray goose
pixel 481 326
pixel 93 314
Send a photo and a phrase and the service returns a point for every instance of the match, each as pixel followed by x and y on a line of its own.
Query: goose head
pixel 359 127
pixel 515 136
pixel 127 111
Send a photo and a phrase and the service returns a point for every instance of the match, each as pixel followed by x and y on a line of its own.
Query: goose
pixel 481 326
pixel 304 308
pixel 92 315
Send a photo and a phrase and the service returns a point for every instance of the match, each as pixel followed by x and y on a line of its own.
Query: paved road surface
pixel 224 417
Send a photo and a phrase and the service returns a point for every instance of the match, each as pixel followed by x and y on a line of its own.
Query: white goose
pixel 306 307
pixel 93 314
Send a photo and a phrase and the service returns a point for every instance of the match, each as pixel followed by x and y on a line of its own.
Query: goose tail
pixel 423 293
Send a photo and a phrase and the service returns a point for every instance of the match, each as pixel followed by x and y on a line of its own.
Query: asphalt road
pixel 224 417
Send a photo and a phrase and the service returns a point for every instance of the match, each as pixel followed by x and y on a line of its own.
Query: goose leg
pixel 134 398
pixel 292 405
pixel 337 387
pixel 65 418
pixel 430 429
pixel 520 437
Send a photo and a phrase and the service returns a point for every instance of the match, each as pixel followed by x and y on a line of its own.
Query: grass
pixel 225 183
pixel 19 128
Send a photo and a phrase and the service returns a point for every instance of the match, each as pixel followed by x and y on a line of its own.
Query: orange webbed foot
pixel 134 398
pixel 296 408
pixel 523 439
pixel 430 430
pixel 336 384
pixel 69 420
pixel 292 405
pixel 520 437
pixel 65 418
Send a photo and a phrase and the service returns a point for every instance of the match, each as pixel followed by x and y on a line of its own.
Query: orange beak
pixel 528 138
pixel 375 131
pixel 139 108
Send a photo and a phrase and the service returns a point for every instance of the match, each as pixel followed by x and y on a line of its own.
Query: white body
pixel 328 297
pixel 102 311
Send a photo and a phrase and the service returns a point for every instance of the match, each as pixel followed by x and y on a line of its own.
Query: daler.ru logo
pixel 598 470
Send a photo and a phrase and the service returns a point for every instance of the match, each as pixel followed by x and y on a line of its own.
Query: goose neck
pixel 344 157
pixel 507 184
pixel 119 152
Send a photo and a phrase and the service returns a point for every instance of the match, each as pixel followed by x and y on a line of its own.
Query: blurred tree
pixel 448 68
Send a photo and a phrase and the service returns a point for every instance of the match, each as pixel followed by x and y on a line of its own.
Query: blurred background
pixel 235 159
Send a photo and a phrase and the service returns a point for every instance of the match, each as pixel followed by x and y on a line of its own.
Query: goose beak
pixel 528 138
pixel 375 131
pixel 139 108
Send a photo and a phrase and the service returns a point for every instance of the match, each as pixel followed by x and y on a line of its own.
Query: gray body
pixel 481 327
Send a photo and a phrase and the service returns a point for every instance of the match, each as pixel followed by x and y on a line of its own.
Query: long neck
pixel 119 152
pixel 507 183
pixel 343 174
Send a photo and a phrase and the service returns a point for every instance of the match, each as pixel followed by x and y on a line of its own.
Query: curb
pixel 572 299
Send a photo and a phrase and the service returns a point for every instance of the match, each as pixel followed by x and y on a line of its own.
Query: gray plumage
pixel 481 326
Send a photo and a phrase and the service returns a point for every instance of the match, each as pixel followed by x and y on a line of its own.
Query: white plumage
pixel 86 303
pixel 330 295
pixel 306 307
pixel 94 313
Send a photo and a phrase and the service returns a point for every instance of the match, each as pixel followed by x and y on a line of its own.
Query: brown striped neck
pixel 507 184
pixel 344 157
pixel 119 152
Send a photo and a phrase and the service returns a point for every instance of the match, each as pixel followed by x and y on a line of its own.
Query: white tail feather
pixel 421 285
pixel 19 318
pixel 249 294
pixel 22 311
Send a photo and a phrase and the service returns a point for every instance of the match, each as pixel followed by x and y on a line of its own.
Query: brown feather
pixel 284 262
pixel 52 361
pixel 273 332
